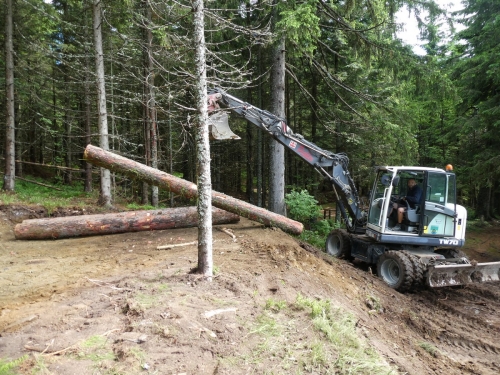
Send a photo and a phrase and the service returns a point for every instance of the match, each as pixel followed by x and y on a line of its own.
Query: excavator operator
pixel 413 195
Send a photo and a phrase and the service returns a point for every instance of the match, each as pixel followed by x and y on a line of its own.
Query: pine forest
pixel 123 75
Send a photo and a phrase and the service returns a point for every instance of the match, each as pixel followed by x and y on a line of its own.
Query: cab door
pixel 438 219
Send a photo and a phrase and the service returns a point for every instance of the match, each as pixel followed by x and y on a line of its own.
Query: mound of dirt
pixel 117 305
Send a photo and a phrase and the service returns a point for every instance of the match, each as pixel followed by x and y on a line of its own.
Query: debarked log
pixel 131 221
pixel 186 189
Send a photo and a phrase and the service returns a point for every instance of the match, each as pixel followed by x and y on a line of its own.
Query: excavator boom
pixel 333 167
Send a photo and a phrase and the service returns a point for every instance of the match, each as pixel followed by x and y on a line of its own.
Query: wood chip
pixel 163 247
pixel 209 314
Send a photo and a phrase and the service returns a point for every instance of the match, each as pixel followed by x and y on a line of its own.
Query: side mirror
pixel 386 180
pixel 395 181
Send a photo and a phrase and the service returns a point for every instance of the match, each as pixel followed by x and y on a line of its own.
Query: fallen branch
pixel 45 353
pixel 228 232
pixel 101 283
pixel 163 247
pixel 37 183
pixel 47 165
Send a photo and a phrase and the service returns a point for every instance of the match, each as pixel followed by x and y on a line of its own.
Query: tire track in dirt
pixel 463 323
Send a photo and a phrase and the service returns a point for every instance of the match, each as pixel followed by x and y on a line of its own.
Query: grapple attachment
pixel 219 127
pixel 460 274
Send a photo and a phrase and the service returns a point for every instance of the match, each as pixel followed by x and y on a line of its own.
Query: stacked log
pixel 131 221
pixel 186 189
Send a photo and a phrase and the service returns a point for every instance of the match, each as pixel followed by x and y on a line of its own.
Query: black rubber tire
pixel 338 244
pixel 451 253
pixel 418 270
pixel 396 270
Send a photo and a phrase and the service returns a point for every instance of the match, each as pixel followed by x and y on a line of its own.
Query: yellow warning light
pixel 449 168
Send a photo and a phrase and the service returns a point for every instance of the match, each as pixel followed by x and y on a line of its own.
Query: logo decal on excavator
pixel 292 144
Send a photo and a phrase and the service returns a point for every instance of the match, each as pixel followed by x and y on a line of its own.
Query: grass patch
pixel 353 355
pixel 139 207
pixel 478 225
pixel 274 305
pixel 7 367
pixel 30 193
pixel 266 326
pixel 374 303
pixel 429 348
pixel 277 344
pixel 94 349
pixel 146 301
pixel 164 288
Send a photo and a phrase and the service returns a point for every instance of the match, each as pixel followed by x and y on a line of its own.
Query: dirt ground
pixel 117 305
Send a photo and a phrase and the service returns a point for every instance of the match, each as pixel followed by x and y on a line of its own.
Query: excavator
pixel 425 250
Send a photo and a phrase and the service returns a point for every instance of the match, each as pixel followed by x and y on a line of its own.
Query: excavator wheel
pixel 338 244
pixel 396 269
pixel 418 269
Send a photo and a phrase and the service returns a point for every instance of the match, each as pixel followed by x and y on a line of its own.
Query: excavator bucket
pixel 461 274
pixel 219 127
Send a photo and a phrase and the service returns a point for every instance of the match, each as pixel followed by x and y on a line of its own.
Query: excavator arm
pixel 333 167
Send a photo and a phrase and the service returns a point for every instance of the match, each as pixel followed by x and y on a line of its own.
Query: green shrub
pixel 324 227
pixel 302 206
pixel 313 238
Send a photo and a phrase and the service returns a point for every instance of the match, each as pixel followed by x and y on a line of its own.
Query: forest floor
pixel 116 305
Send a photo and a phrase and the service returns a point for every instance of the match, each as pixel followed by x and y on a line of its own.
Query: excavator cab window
pixel 390 187
pixel 380 191
pixel 440 205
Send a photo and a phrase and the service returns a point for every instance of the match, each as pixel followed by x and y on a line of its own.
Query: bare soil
pixel 117 305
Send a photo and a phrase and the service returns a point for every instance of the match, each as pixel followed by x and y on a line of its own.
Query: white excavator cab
pixel 436 216
pixel 219 127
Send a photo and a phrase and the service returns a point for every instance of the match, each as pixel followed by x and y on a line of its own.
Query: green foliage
pixel 136 206
pixel 351 86
pixel 316 236
pixel 7 367
pixel 48 197
pixel 324 227
pixel 302 206
pixel 301 26
pixel 313 238
pixel 275 305
pixel 475 71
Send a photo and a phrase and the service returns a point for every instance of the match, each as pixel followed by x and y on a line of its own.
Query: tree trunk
pixel 150 104
pixel 259 134
pixel 105 193
pixel 65 69
pixel 87 139
pixel 205 261
pixel 10 149
pixel 88 128
pixel 483 210
pixel 133 221
pixel 152 110
pixel 186 189
pixel 277 150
